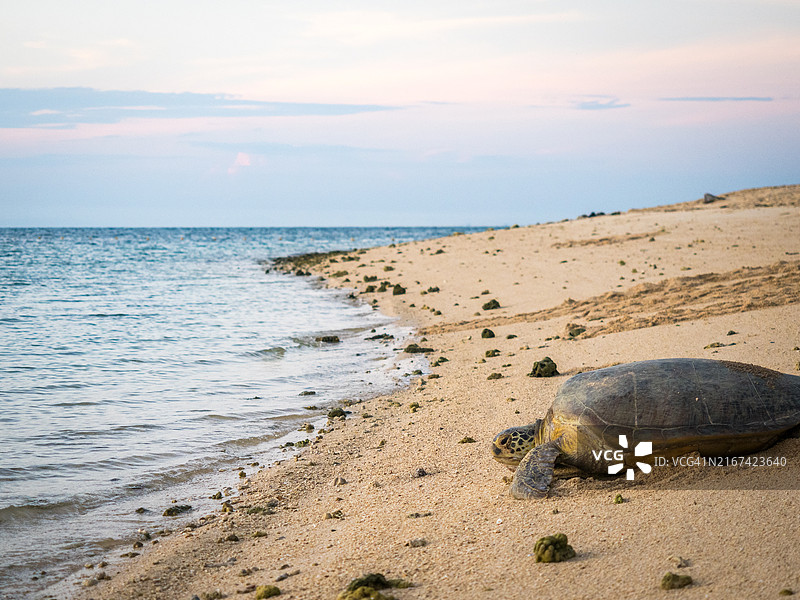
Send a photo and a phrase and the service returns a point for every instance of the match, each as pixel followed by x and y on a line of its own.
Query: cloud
pixel 242 160
pixel 67 107
pixel 719 99
pixel 602 103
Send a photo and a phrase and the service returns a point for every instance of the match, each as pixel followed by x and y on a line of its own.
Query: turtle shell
pixel 680 405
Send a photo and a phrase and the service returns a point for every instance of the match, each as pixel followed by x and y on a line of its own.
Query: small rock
pixel 491 305
pixel 337 514
pixel 420 472
pixel 363 593
pixel 492 353
pixel 487 333
pixel 176 510
pixel 328 339
pixel 618 499
pixel 786 592
pixel 495 376
pixel 553 548
pixel 339 481
pixel 308 393
pixel 417 543
pixel 398 290
pixel 283 576
pixel 336 413
pixel 376 581
pixel 89 582
pixel 466 440
pixel 544 368
pixel 381 336
pixel 574 330
pixel 416 349
pixel 671 581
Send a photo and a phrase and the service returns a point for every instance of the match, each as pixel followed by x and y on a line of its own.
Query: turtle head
pixel 510 446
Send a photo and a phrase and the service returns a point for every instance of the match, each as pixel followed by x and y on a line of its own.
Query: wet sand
pixel 404 497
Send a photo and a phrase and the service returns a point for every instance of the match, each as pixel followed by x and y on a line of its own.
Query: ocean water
pixel 142 367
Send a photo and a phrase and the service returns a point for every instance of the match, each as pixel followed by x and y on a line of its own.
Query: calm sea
pixel 139 367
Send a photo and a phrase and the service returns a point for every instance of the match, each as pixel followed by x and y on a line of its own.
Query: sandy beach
pixel 397 488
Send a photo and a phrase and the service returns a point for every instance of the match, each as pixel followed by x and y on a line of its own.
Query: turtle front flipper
pixel 535 472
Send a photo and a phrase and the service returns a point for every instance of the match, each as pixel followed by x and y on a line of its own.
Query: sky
pixel 376 113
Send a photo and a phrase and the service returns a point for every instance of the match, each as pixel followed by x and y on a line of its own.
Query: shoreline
pixel 143 512
pixel 404 498
pixel 229 396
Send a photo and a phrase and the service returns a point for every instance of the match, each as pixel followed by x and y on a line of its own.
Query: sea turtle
pixel 680 405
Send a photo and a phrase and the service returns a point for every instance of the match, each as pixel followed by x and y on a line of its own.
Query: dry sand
pixel 645 284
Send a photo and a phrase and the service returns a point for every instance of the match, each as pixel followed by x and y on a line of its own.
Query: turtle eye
pixel 503 440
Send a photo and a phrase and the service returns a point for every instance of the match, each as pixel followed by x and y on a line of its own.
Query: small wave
pixel 20 368
pixel 305 341
pixel 17 283
pixel 268 353
pixel 218 418
pixel 38 510
pixel 61 386
pixel 137 427
pixel 247 442
pixel 315 341
pixel 206 361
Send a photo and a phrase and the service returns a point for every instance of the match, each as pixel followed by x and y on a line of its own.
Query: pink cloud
pixel 242 160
